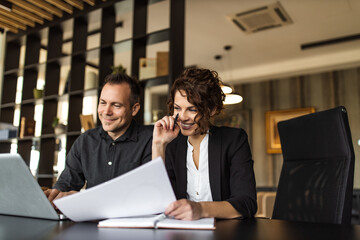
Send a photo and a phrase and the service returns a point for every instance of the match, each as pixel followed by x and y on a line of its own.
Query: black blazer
pixel 231 170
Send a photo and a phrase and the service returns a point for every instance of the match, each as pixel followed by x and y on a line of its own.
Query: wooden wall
pixel 322 91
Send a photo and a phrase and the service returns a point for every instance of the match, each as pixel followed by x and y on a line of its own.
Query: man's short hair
pixel 119 78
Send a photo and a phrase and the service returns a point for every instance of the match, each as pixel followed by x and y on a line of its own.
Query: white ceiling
pixel 276 52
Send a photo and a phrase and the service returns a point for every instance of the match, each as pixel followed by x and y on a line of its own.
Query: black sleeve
pixel 72 178
pixel 169 164
pixel 242 178
pixel 147 153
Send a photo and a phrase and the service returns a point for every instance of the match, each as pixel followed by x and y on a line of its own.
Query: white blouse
pixel 198 183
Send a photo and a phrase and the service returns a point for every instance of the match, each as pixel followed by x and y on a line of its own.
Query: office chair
pixel 316 180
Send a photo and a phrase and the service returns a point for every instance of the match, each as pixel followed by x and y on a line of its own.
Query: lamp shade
pixel 232 98
pixel 226 89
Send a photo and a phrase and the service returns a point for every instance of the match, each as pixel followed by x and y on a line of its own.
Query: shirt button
pixel 113 144
pixel 197 193
pixel 110 163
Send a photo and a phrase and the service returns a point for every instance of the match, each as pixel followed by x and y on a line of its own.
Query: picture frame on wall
pixel 273 145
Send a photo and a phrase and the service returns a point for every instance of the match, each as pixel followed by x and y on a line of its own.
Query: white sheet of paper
pixel 144 190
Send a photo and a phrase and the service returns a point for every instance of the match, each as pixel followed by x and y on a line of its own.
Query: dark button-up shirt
pixel 96 158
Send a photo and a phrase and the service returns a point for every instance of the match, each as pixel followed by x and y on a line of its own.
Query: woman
pixel 210 168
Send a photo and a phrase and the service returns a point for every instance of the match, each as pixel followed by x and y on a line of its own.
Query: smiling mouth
pixel 186 126
pixel 109 120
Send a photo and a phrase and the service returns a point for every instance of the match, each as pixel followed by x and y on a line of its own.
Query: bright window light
pixel 34 161
pixel 38 118
pixel 19 87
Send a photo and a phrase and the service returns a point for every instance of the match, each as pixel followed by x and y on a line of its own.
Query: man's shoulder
pixel 145 130
pixel 92 133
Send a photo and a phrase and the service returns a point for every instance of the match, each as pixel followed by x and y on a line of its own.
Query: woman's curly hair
pixel 203 90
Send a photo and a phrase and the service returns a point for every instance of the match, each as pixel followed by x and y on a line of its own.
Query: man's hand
pixel 184 209
pixel 53 194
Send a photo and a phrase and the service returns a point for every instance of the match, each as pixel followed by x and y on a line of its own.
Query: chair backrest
pixel 316 180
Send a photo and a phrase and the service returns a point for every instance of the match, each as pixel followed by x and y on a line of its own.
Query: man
pixel 116 147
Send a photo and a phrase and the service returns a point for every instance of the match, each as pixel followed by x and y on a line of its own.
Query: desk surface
pixel 26 228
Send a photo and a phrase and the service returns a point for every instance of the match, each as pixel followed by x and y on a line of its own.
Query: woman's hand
pixel 165 130
pixel 184 209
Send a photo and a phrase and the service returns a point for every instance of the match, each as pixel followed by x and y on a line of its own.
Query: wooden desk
pixel 251 229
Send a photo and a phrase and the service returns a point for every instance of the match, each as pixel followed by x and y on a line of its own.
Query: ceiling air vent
pixel 255 20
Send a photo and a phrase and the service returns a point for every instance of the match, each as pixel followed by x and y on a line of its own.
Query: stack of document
pixel 142 191
pixel 136 199
pixel 158 221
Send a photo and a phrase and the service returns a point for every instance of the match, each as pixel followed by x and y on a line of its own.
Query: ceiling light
pixel 232 99
pixel 226 89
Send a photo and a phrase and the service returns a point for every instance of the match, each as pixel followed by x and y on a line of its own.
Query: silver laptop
pixel 20 194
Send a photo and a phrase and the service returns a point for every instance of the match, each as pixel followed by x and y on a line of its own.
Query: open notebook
pixel 158 221
pixel 21 195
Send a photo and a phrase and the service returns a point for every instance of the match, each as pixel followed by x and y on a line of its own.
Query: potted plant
pixel 118 69
pixel 59 128
pixel 38 93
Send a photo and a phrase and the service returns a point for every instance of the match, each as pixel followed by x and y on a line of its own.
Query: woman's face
pixel 187 114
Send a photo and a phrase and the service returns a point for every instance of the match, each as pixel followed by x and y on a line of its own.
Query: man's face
pixel 115 112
